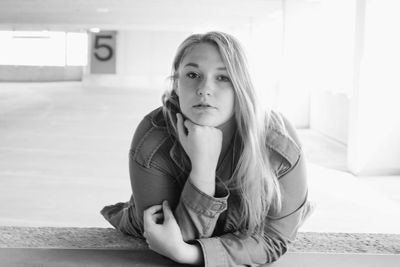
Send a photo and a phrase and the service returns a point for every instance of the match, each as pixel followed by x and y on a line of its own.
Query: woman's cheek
pixel 185 108
pixel 188 84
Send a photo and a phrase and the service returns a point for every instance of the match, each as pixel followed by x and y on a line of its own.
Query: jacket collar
pixel 277 141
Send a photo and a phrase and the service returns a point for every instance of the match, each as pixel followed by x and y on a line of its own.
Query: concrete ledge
pixel 109 238
pixel 314 259
pixel 48 246
pixel 15 257
pixel 26 257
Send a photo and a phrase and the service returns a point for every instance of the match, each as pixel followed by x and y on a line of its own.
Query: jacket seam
pixel 296 210
pixel 202 212
pixel 150 157
pixel 281 151
pixel 290 168
pixel 208 225
pixel 140 144
pixel 157 166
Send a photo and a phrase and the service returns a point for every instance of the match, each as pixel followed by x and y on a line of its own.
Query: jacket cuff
pixel 213 252
pixel 202 203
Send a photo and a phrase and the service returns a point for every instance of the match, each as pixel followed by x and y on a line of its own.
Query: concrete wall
pixel 296 69
pixel 325 67
pixel 40 74
pixel 329 114
pixel 374 141
pixel 144 60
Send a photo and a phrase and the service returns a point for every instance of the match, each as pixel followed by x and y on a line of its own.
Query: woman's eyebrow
pixel 190 64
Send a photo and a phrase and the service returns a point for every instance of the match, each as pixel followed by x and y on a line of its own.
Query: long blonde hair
pixel 253 177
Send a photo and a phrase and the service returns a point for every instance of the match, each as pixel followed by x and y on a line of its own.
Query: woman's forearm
pixel 204 180
pixel 191 254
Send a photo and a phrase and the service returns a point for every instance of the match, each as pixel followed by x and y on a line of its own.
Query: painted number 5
pixel 98 45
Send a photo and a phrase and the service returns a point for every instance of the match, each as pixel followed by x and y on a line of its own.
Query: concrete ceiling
pixel 132 14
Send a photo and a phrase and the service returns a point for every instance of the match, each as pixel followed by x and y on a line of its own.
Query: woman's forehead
pixel 203 55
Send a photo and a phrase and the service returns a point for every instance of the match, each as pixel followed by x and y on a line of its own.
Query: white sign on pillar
pixel 103 52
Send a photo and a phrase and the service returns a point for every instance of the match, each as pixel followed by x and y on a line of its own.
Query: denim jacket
pixel 159 171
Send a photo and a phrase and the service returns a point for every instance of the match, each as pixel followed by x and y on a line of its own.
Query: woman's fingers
pixel 158 218
pixel 168 215
pixel 146 237
pixel 189 125
pixel 184 126
pixel 153 209
pixel 148 214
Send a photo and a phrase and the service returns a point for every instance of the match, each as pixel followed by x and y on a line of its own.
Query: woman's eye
pixel 223 78
pixel 192 75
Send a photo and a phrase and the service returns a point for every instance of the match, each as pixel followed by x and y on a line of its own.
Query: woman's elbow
pixel 275 248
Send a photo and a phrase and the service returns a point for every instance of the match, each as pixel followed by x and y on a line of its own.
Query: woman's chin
pixel 210 120
pixel 204 122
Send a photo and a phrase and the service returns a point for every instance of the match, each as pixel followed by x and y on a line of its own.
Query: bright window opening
pixel 43 48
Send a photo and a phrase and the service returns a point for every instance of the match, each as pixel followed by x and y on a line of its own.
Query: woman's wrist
pixel 204 181
pixel 203 173
pixel 190 254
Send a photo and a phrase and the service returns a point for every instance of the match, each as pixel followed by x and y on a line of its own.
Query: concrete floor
pixel 64 155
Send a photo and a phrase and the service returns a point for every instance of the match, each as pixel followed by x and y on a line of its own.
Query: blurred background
pixel 77 77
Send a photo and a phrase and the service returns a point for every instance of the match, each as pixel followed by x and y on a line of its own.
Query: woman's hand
pixel 203 146
pixel 165 238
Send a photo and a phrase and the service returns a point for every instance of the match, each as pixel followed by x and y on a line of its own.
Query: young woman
pixel 215 179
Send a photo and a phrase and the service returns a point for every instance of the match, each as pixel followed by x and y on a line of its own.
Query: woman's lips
pixel 203 107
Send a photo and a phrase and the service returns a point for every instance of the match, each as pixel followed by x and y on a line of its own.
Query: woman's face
pixel 205 90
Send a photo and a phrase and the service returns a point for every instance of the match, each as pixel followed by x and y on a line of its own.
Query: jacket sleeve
pixel 234 249
pixel 195 212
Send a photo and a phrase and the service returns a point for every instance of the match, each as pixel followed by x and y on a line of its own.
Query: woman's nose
pixel 205 88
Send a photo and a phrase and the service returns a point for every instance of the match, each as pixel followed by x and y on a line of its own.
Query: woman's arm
pixel 163 236
pixel 196 212
pixel 203 145
pixel 234 249
pixel 198 204
pixel 153 180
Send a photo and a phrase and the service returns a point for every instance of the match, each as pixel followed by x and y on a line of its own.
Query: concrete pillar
pixel 374 128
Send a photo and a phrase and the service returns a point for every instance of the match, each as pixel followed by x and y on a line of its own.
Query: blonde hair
pixel 253 177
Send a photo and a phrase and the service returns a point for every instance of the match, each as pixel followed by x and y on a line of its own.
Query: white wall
pixel 265 54
pixel 374 136
pixel 278 85
pixel 296 75
pixel 349 67
pixel 144 60
pixel 329 114
pixel 329 43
